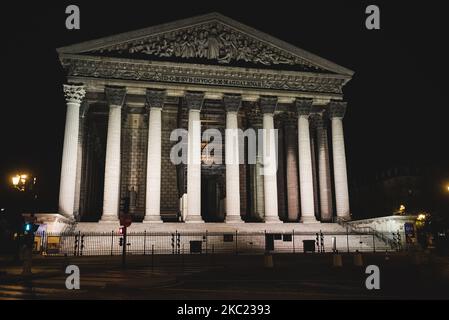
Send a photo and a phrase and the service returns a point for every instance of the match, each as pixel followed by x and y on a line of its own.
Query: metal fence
pixel 146 243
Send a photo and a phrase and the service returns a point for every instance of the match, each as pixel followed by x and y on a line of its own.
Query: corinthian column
pixel 232 104
pixel 336 113
pixel 292 171
pixel 115 97
pixel 155 102
pixel 304 107
pixel 194 101
pixel 269 159
pixel 324 176
pixel 74 94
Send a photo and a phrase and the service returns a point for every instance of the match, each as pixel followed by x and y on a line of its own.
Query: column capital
pixel 268 104
pixel 74 93
pixel 304 106
pixel 232 102
pixel 337 109
pixel 115 95
pixel 194 100
pixel 155 98
pixel 318 121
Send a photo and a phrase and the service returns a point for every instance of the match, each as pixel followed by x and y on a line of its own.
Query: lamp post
pixel 23 184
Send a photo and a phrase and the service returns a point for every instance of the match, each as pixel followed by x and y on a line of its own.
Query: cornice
pixel 196 74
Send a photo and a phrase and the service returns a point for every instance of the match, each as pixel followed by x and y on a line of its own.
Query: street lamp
pixel 19 181
pixel 421 217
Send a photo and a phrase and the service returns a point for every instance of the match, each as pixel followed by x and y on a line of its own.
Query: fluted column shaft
pixel 336 113
pixel 155 102
pixel 194 101
pixel 269 160
pixel 292 173
pixel 324 176
pixel 305 161
pixel 74 95
pixel 111 200
pixel 232 105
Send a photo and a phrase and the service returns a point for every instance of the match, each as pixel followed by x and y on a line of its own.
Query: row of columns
pixel 115 97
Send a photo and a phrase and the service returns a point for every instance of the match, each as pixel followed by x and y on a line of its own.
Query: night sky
pixel 397 99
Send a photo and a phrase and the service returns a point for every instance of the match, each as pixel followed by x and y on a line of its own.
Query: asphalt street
pixel 177 277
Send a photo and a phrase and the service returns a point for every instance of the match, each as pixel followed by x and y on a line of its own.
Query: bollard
pixel 27 262
pixel 268 260
pixel 337 260
pixel 358 260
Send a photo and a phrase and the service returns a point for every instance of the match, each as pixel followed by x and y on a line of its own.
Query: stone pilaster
pixel 337 111
pixel 269 159
pixel 74 95
pixel 194 101
pixel 115 97
pixel 232 104
pixel 254 117
pixel 155 102
pixel 304 107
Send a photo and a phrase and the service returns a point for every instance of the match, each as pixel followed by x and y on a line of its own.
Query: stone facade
pixel 129 92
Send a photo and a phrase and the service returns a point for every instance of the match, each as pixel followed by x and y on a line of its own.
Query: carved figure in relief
pixel 213 45
pixel 212 41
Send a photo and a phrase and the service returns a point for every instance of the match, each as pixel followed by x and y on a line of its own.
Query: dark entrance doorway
pixel 211 199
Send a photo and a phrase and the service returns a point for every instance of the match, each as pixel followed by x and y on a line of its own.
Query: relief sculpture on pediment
pixel 212 41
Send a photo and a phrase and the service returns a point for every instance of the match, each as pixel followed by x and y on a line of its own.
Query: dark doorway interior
pixel 211 199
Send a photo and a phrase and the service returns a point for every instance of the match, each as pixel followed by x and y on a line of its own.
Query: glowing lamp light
pixel 15 180
pixel 421 217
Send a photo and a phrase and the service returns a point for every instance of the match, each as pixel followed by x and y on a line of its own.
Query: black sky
pixel 397 99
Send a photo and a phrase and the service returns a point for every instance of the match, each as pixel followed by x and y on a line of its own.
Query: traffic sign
pixel 126 220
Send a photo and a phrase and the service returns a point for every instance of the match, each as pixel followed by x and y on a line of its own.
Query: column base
pixel 108 219
pixel 272 219
pixel 234 219
pixel 152 219
pixel 194 219
pixel 308 219
pixel 293 218
pixel 344 218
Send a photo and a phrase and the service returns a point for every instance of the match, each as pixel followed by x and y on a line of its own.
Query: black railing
pixel 146 243
pixel 391 239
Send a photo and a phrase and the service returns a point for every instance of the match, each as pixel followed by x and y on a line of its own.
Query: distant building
pixel 387 191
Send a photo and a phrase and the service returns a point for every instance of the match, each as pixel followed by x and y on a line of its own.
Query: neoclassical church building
pixel 126 94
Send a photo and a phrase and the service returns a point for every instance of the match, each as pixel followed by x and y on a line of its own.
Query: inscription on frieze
pixel 142 72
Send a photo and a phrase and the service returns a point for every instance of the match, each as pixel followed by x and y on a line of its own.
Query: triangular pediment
pixel 208 39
